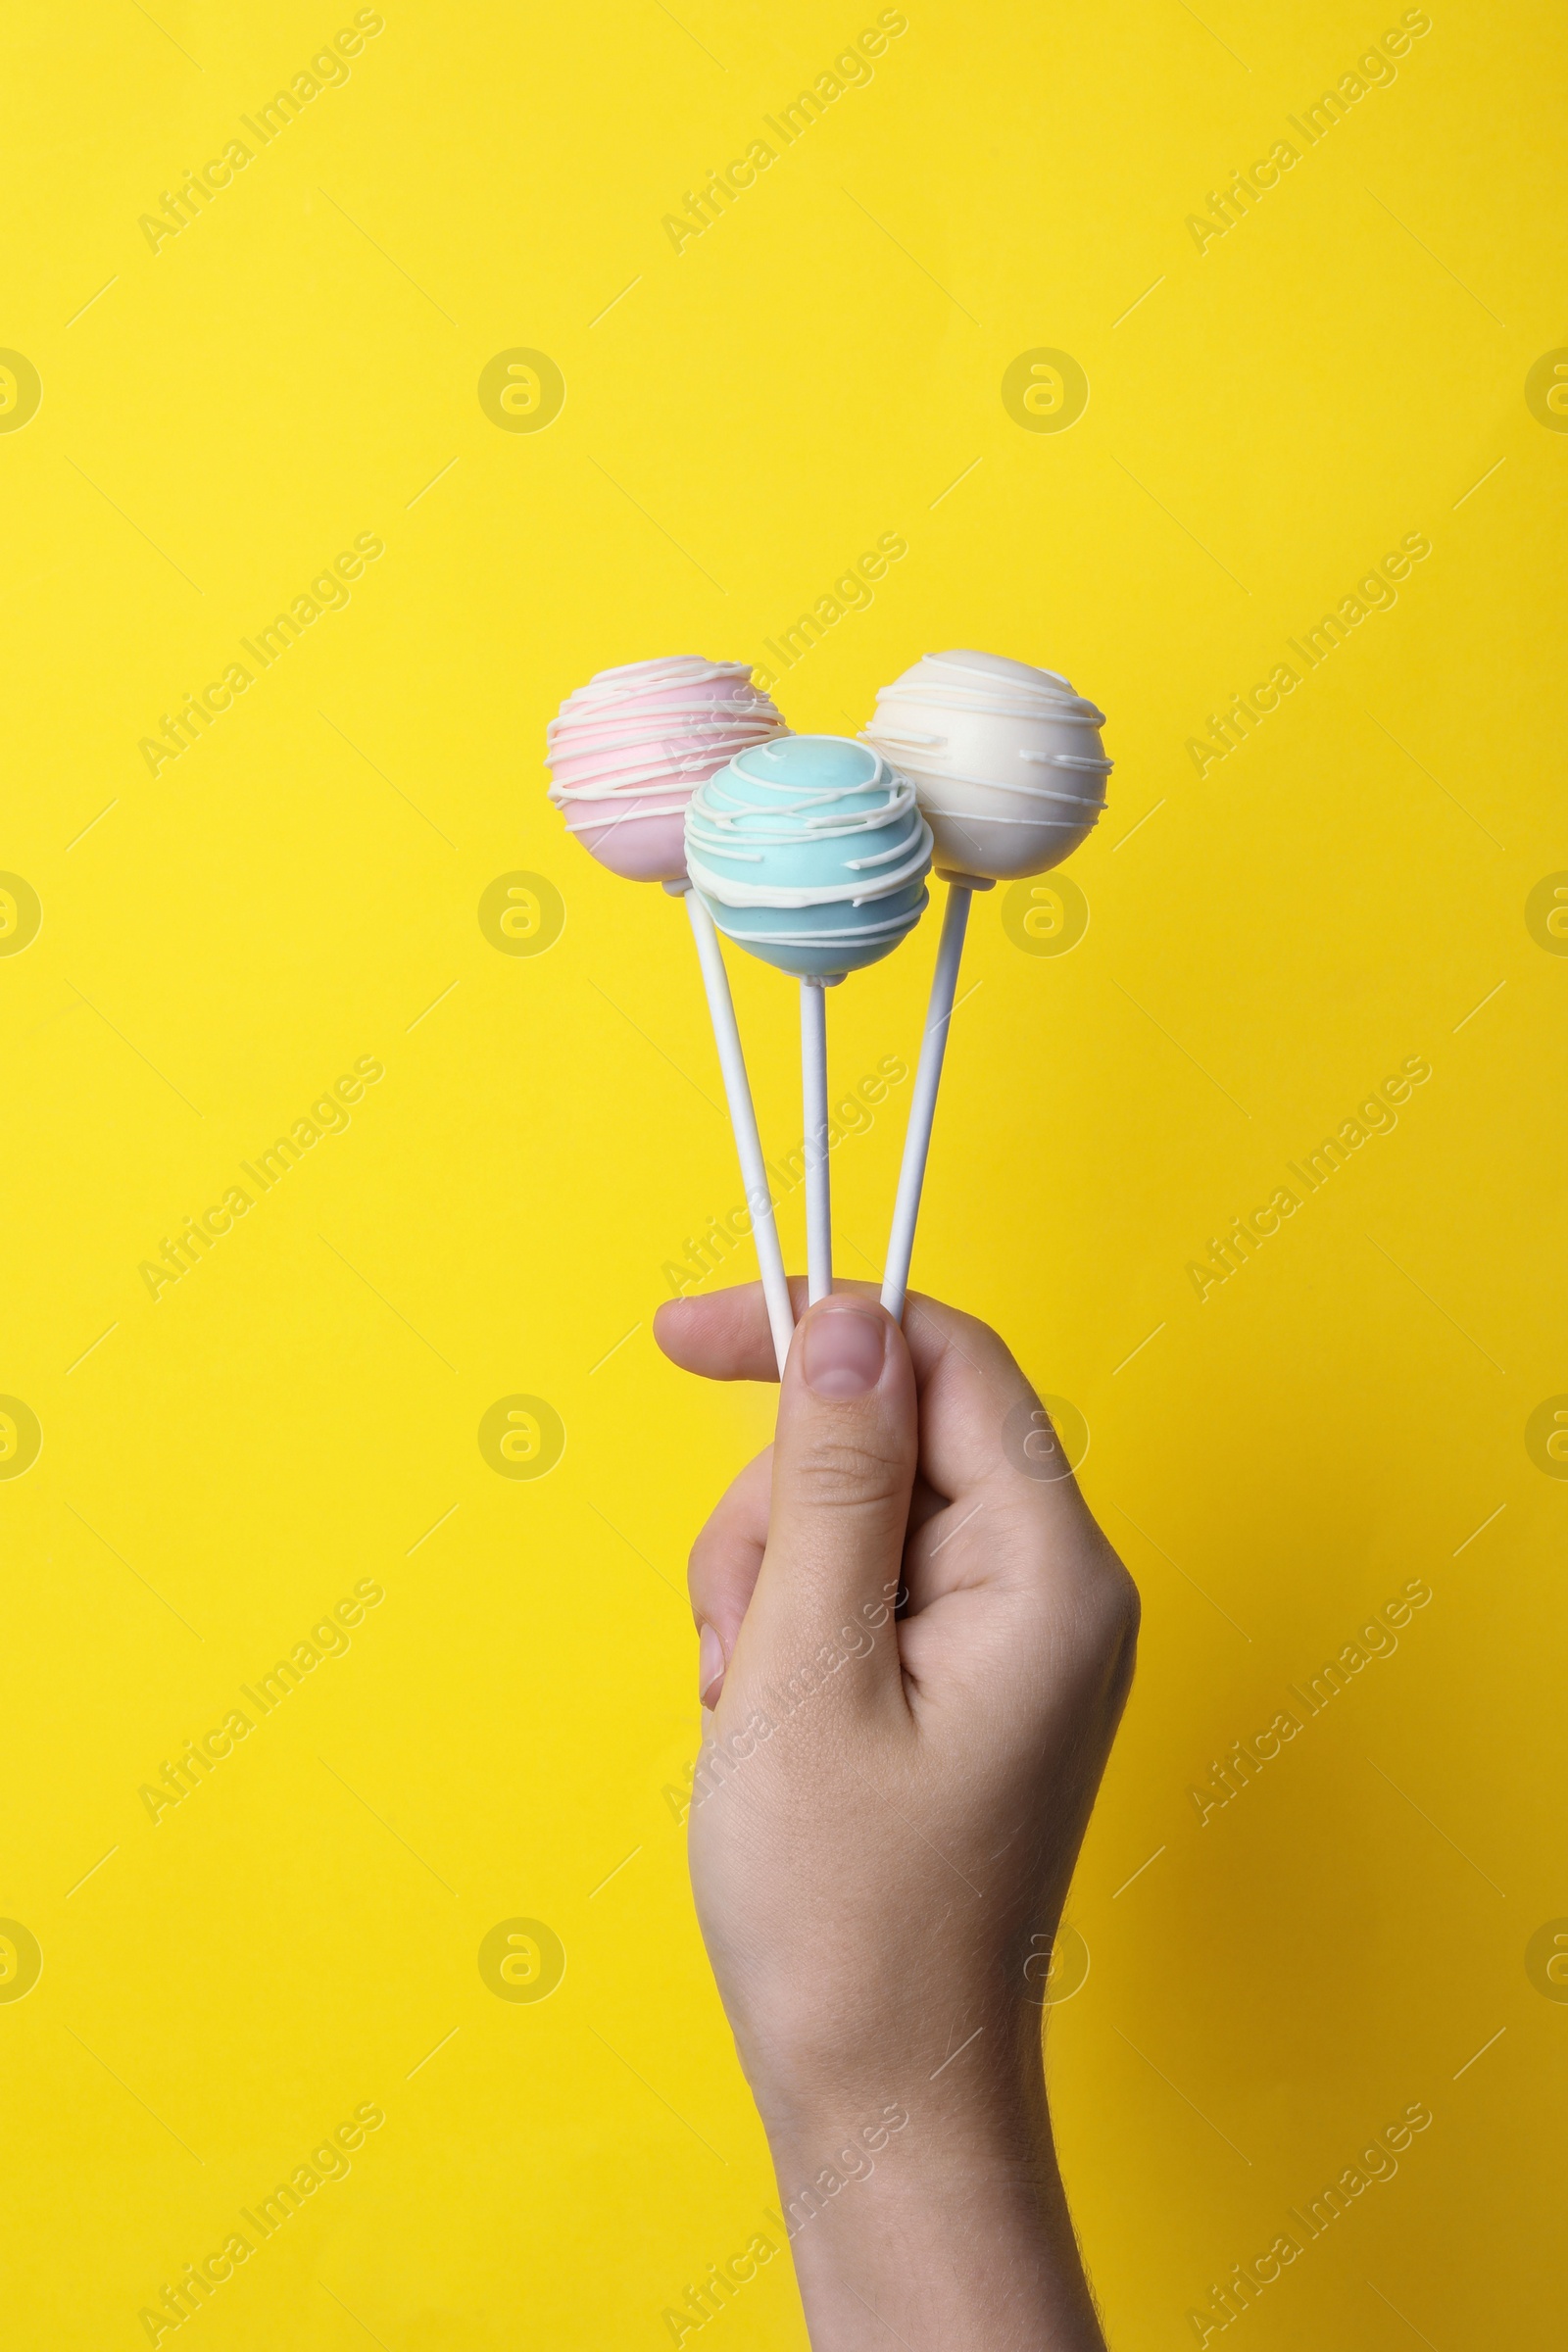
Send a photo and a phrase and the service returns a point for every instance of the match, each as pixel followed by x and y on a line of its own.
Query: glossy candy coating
pixel 629 747
pixel 1007 761
pixel 810 851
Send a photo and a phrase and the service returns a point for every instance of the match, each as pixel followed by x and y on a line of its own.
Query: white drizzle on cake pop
pixel 1006 760
pixel 628 749
pixel 777 831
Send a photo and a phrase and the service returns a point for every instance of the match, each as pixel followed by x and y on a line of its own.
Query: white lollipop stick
pixel 743 1119
pixel 923 1101
pixel 813 1098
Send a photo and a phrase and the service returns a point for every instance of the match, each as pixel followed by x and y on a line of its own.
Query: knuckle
pixel 702 1565
pixel 1123 1598
pixel 1105 1611
pixel 1116 1614
pixel 1114 1598
pixel 836 1473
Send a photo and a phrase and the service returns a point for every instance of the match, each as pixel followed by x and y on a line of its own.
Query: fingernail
pixel 710 1666
pixel 842 1350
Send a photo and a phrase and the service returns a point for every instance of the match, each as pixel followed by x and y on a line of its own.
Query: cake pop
pixel 1006 760
pixel 811 852
pixel 1010 774
pixel 630 746
pixel 625 754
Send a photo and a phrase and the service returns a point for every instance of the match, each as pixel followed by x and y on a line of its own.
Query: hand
pixel 887 1810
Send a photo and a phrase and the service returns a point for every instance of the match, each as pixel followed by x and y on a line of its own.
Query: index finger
pixel 981 1423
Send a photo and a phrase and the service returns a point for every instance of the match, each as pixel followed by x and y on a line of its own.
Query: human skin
pixel 887 1810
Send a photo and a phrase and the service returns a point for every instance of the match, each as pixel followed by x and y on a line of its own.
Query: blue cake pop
pixel 812 852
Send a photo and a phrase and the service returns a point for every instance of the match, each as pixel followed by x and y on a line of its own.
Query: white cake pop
pixel 1009 771
pixel 1007 761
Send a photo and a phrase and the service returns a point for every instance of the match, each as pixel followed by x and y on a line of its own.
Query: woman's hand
pixel 887 1809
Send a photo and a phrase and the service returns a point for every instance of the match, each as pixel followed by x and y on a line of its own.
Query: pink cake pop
pixel 625 756
pixel 631 746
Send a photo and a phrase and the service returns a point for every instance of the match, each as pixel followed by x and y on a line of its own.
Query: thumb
pixel 844 1461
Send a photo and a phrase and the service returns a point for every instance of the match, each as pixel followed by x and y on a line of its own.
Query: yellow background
pixel 299 888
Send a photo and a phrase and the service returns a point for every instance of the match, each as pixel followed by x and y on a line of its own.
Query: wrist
pixel 971 2065
pixel 940 2214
